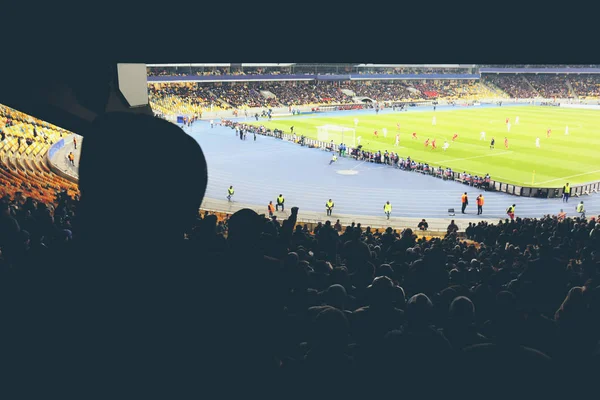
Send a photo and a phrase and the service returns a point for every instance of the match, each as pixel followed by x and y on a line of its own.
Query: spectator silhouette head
pixel 381 292
pixel 419 310
pixel 123 200
pixel 330 329
pixel 245 227
pixel 462 311
pixel 335 296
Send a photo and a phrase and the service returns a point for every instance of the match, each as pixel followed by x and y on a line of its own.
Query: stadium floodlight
pixel 339 134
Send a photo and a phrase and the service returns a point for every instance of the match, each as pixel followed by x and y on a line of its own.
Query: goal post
pixel 339 134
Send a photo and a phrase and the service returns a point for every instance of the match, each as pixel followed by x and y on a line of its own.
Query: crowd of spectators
pixel 381 91
pixel 586 85
pixel 364 303
pixel 294 93
pixel 193 93
pixel 281 94
pixel 514 85
pixel 549 86
pixel 242 95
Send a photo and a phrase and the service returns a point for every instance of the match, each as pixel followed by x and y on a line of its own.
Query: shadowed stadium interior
pixel 297 229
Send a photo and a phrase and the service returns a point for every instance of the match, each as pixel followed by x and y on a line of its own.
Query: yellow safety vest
pixel 579 207
pixel 280 200
pixel 567 189
pixel 510 209
pixel 230 190
pixel 387 207
pixel 329 204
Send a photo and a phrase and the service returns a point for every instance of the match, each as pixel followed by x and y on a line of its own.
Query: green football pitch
pixel 573 158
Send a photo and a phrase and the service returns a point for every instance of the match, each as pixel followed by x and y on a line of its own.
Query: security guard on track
pixel 566 193
pixel 464 199
pixel 230 193
pixel 480 202
pixel 581 209
pixel 387 209
pixel 280 201
pixel 329 207
pixel 511 212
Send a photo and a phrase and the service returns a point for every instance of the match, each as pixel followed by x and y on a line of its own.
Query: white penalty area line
pixel 470 158
pixel 567 177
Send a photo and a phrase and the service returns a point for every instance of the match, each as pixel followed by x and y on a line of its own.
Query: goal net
pixel 339 134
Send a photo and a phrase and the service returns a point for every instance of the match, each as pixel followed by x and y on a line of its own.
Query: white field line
pixel 567 177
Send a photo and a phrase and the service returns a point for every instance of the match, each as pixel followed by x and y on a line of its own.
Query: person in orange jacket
pixel 479 204
pixel 271 208
pixel 465 201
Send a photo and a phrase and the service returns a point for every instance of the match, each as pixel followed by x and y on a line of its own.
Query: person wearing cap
pixel 280 201
pixel 581 209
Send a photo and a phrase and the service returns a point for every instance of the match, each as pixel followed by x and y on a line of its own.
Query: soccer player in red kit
pixel 507 120
pixel 427 143
pixel 433 146
pixel 548 132
pixel 375 133
pixel 506 142
pixel 454 137
pixel 414 135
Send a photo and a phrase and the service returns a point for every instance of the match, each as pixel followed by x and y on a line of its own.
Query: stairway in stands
pixel 572 92
pixel 531 86
pixel 494 89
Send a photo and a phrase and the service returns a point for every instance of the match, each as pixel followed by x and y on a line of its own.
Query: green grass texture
pixel 573 158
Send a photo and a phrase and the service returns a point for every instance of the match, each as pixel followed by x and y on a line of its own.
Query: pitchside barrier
pixel 497 186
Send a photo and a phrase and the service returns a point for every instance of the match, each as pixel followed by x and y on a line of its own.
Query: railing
pixel 516 190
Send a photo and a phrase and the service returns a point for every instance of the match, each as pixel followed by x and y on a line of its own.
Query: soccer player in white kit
pixel 517 120
pixel 537 143
pixel 397 140
pixel 355 121
pixel 482 136
pixel 508 126
pixel 566 130
pixel 384 132
pixel 433 121
pixel 358 140
pixel 446 145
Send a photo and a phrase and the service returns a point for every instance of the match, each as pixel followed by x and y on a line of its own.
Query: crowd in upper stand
pixel 549 86
pixel 285 93
pixel 513 85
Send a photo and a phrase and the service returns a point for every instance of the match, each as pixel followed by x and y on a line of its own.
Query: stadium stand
pixel 331 312
pixel 513 85
pixel 23 164
pixel 586 85
pixel 549 86
pixel 185 98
